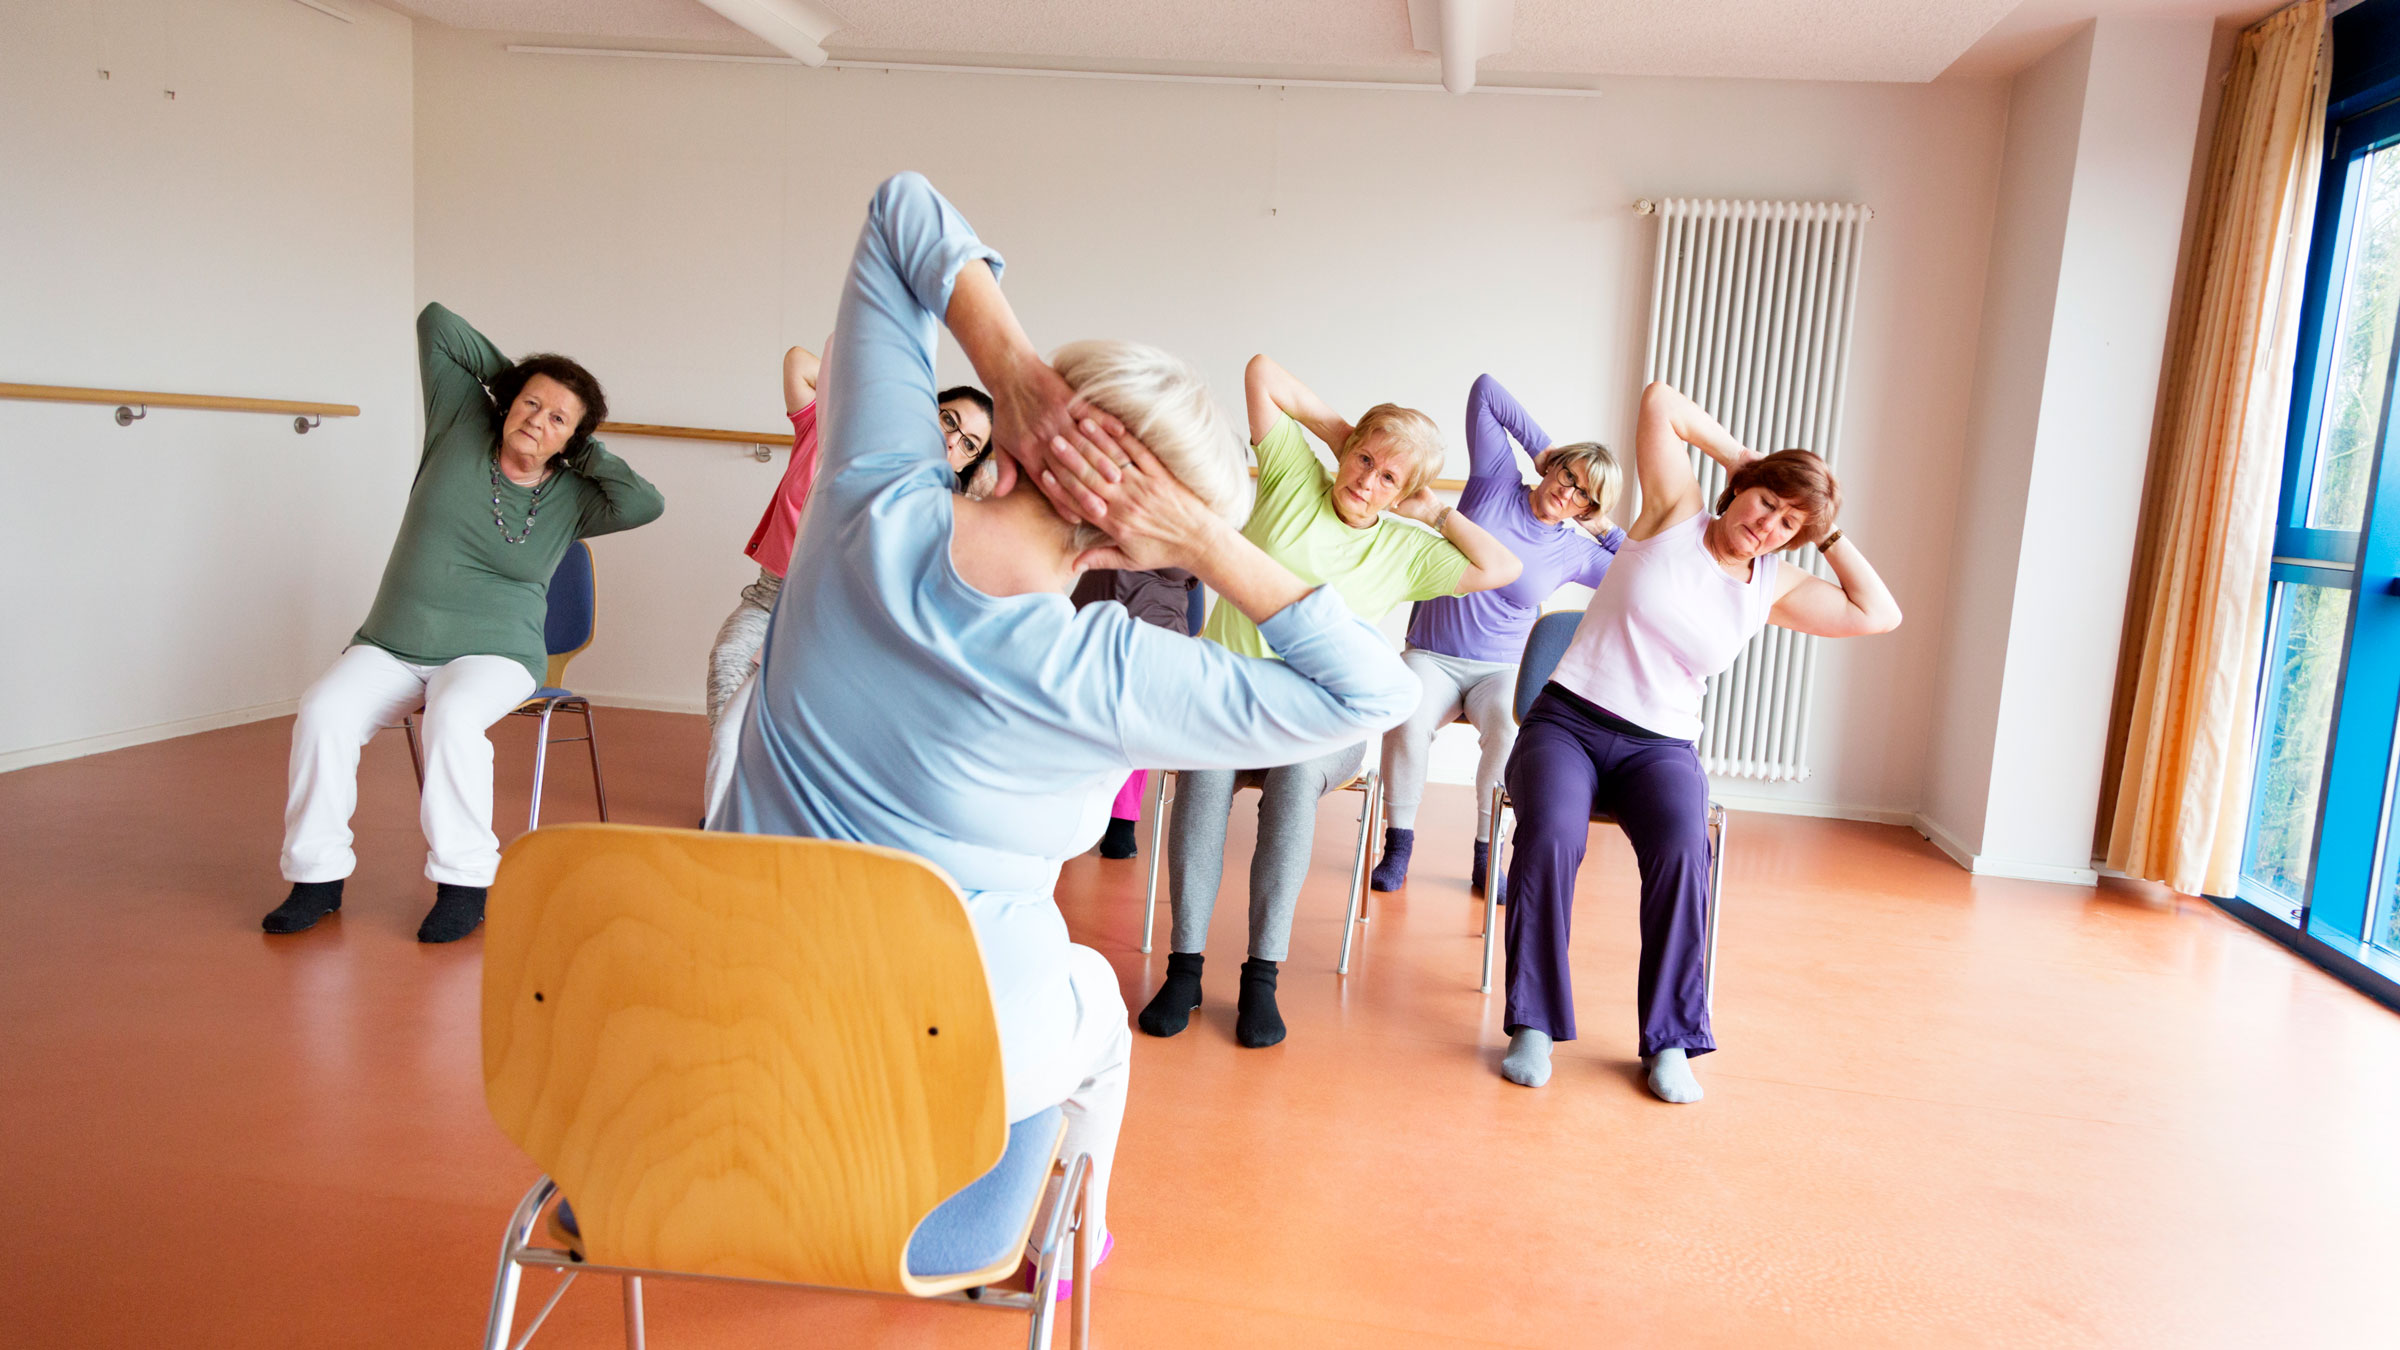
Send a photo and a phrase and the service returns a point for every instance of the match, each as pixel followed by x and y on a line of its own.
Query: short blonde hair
pixel 1165 403
pixel 1598 461
pixel 1412 431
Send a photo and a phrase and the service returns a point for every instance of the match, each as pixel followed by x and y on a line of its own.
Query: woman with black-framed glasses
pixel 1465 648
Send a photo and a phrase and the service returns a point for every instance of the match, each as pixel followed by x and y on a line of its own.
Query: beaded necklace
pixel 534 510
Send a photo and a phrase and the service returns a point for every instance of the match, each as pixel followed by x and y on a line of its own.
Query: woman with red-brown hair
pixel 1615 728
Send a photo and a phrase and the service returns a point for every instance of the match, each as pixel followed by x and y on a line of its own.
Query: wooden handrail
pixel 151 398
pixel 785 438
pixel 696 433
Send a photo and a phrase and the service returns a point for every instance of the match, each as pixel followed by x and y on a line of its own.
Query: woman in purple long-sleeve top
pixel 1465 647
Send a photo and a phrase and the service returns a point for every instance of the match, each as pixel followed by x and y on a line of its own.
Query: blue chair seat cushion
pixel 981 1225
pixel 976 1228
pixel 550 694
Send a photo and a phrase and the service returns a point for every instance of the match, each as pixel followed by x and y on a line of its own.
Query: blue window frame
pixel 2321 866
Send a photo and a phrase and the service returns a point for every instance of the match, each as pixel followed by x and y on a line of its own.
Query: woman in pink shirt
pixel 966 414
pixel 1615 728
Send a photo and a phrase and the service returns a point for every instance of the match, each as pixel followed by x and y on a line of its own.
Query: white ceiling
pixel 1555 41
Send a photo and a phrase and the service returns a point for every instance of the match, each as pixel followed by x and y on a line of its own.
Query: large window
pixel 2322 856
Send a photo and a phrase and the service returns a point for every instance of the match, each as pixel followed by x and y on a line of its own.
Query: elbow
pixel 1261 371
pixel 1494 577
pixel 1658 396
pixel 1885 619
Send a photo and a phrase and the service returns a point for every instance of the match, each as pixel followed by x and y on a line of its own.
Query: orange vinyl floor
pixel 1949 1111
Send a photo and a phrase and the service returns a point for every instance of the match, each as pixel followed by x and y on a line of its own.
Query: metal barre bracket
pixel 300 425
pixel 127 416
pixel 763 453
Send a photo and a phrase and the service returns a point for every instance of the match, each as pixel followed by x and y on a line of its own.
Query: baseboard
pixel 156 731
pixel 694 706
pixel 2011 869
pixel 1781 806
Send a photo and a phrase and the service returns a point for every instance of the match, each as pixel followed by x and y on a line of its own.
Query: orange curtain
pixel 2197 619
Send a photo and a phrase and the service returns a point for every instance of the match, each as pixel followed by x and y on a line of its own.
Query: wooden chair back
pixel 740 1055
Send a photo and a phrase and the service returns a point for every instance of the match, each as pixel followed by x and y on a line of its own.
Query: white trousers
pixel 367 690
pixel 1481 691
pixel 1098 1057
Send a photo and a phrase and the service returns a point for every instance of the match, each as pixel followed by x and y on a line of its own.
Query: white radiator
pixel 1750 315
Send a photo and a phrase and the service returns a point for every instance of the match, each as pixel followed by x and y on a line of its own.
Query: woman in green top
pixel 510 476
pixel 1330 529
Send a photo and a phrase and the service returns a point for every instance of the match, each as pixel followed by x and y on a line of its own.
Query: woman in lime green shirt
pixel 1330 529
pixel 509 478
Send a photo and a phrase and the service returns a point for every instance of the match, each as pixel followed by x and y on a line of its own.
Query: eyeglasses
pixel 1567 476
pixel 951 426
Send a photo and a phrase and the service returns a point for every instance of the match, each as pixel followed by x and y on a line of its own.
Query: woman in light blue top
pixel 927 685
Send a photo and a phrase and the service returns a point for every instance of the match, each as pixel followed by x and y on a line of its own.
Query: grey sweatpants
pixel 738 641
pixel 1287 826
pixel 1482 692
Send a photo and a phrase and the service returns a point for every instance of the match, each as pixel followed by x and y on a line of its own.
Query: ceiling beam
pixel 794 27
pixel 1461 33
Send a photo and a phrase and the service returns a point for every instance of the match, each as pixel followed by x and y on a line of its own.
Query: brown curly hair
pixel 1801 479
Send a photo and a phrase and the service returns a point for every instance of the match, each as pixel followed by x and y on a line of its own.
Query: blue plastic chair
pixel 1544 646
pixel 566 630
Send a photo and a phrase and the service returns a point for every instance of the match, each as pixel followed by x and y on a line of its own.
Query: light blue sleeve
pixel 881 422
pixel 1191 704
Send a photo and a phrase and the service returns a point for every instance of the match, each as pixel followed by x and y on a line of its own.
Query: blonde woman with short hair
pixel 1328 528
pixel 926 684
pixel 1466 648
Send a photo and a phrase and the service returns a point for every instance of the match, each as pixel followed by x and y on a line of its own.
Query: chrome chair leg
pixel 1079 1322
pixel 1716 892
pixel 1158 832
pixel 416 753
pixel 541 757
pixel 1502 818
pixel 634 1332
pixel 591 740
pixel 1355 915
pixel 503 1315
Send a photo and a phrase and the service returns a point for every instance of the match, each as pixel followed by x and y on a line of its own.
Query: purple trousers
pixel 1566 766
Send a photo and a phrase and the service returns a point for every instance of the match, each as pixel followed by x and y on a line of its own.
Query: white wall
pixel 676 225
pixel 249 236
pixel 2064 411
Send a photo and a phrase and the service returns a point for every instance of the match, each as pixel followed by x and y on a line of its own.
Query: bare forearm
pixel 1276 386
pixel 985 327
pixel 1878 611
pixel 1489 562
pixel 1242 573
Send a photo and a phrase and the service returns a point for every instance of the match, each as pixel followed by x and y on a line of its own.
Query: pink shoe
pixel 1066 1283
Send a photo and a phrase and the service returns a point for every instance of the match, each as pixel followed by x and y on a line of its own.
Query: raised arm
pixel 1667 423
pixel 1489 563
pixel 1272 393
pixel 1493 417
pixel 878 366
pixel 800 369
pixel 454 363
pixel 625 498
pixel 1855 603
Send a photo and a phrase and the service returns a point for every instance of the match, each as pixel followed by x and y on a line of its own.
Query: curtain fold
pixel 2176 795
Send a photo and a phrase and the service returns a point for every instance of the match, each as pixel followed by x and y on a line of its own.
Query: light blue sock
pixel 1528 1058
pixel 1671 1077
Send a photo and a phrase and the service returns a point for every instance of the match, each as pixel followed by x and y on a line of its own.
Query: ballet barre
pixel 127 401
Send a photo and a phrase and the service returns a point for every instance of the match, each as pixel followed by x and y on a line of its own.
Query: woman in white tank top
pixel 1613 731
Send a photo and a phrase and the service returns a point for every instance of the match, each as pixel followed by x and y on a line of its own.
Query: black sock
pixel 457 911
pixel 1257 1024
pixel 1117 840
pixel 308 902
pixel 1170 1009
